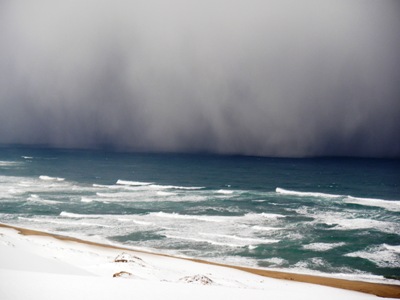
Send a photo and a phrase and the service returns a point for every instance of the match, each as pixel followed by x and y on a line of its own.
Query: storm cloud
pixel 270 78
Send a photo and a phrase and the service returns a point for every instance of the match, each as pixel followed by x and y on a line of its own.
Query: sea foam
pixel 49 178
pixel 305 194
pixel 134 183
pixel 320 247
pixel 79 216
pixel 393 205
pixel 384 256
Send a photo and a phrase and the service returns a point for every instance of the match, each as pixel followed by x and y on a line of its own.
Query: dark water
pixel 330 215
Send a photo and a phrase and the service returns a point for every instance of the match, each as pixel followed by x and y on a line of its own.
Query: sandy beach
pixel 37 265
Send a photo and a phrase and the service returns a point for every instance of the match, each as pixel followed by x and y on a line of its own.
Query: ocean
pixel 325 216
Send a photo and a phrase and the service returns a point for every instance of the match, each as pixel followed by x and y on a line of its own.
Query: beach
pixel 39 265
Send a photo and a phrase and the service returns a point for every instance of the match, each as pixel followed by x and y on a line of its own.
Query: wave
pixel 175 187
pixel 121 196
pixel 264 228
pixel 9 163
pixel 321 247
pixel 87 200
pixel 134 183
pixel 224 192
pixel 135 221
pixel 49 178
pixel 188 217
pixel 212 242
pixel 156 186
pixel 36 199
pixel 27 157
pixel 305 194
pixel 360 223
pixel 263 216
pixel 165 194
pixel 186 187
pixel 47 221
pixel 275 261
pixel 392 205
pixel 384 256
pixel 392 248
pixel 223 240
pixel 100 185
pixel 79 216
pixel 245 240
pixel 249 217
pixel 150 196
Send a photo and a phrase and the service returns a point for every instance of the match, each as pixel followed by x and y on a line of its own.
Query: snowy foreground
pixel 42 267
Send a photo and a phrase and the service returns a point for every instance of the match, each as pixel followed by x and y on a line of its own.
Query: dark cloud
pixel 272 78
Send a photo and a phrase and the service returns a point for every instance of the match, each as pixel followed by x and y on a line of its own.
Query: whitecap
pixel 263 216
pixel 188 217
pixel 265 228
pixel 224 192
pixel 384 256
pixel 198 240
pixel 86 200
pixel 305 194
pixel 392 248
pixel 78 216
pixel 100 185
pixel 321 247
pixel 185 187
pixel 174 187
pixel 162 193
pixel 36 199
pixel 218 219
pixel 9 163
pixel 133 183
pixel 243 240
pixel 135 221
pixel 392 205
pixel 351 224
pixel 49 178
pixel 276 261
pixel 121 196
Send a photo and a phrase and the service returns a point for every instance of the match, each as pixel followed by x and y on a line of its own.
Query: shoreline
pixel 378 289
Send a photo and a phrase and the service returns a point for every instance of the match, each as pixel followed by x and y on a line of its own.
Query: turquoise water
pixel 336 216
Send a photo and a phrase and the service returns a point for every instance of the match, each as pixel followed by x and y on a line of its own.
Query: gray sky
pixel 271 78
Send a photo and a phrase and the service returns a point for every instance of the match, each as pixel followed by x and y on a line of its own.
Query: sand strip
pixel 378 289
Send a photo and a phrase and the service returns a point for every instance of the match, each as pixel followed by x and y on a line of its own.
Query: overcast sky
pixel 253 77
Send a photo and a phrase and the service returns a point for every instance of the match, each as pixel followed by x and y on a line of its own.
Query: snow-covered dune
pixel 43 267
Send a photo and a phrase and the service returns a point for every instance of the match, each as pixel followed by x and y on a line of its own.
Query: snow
pixel 41 267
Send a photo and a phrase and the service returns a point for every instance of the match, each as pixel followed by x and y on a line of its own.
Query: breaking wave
pixel 243 240
pixel 384 256
pixel 217 219
pixel 305 194
pixel 49 178
pixel 134 183
pixel 36 199
pixel 9 163
pixel 224 192
pixel 79 216
pixel 321 247
pixel 393 205
pixel 154 186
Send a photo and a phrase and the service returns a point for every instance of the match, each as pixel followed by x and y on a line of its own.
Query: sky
pixel 277 78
